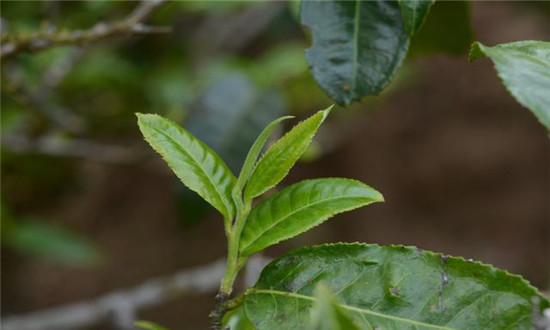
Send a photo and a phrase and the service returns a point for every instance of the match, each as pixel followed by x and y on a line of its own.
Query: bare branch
pixel 48 38
pixel 121 306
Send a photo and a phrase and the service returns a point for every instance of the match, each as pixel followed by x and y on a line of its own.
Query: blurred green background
pixel 88 208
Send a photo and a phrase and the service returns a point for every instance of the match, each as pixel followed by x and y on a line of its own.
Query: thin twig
pixel 48 38
pixel 121 306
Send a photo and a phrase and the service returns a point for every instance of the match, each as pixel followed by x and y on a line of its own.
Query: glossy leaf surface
pixel 279 159
pixel 390 287
pixel 524 68
pixel 328 314
pixel 414 13
pixel 300 207
pixel 194 163
pixel 357 46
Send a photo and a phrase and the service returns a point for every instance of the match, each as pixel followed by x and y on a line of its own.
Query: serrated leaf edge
pixel 379 195
pixel 479 50
pixel 412 248
pixel 325 114
pixel 229 212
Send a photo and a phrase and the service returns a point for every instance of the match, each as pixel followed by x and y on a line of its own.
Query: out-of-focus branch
pixel 247 24
pixel 71 147
pixel 120 307
pixel 51 37
pixel 35 101
pixel 62 66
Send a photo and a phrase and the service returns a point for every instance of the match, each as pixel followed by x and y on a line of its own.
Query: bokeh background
pixel 88 208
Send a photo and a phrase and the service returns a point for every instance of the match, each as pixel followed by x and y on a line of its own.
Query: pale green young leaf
pixel 253 154
pixel 300 207
pixel 279 159
pixel 414 13
pixel 524 68
pixel 391 287
pixel 327 314
pixel 193 162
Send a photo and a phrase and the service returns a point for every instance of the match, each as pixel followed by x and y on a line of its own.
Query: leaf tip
pixel 380 198
pixel 328 110
pixel 477 51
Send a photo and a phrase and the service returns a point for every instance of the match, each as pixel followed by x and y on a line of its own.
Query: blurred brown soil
pixel 464 169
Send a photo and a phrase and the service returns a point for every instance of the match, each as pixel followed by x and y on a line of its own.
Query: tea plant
pixel 358 46
pixel 524 67
pixel 331 286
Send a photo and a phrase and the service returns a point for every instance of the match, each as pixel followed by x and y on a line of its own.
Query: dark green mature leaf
pixel 253 154
pixel 194 163
pixel 446 18
pixel 391 287
pixel 524 68
pixel 414 13
pixel 231 114
pixel 357 46
pixel 300 207
pixel 328 314
pixel 279 159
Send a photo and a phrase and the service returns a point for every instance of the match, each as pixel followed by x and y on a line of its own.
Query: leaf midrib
pixel 501 51
pixel 199 165
pixel 350 308
pixel 258 171
pixel 273 224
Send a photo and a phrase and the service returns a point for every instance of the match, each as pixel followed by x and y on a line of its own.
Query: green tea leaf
pixel 149 325
pixel 253 154
pixel 41 239
pixel 357 46
pixel 327 314
pixel 300 207
pixel 524 68
pixel 414 13
pixel 279 159
pixel 391 287
pixel 236 319
pixel 194 163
